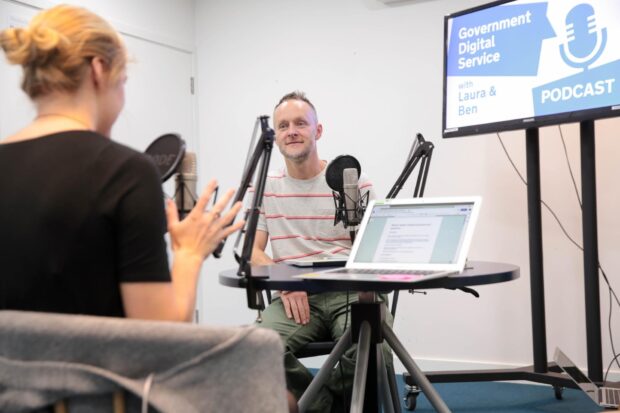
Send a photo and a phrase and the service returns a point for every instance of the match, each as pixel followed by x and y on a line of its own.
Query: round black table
pixel 279 277
pixel 371 320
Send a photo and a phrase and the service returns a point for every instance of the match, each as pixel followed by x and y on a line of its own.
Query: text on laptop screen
pixel 408 234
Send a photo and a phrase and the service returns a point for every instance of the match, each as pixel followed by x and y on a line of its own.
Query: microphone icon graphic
pixel 584 42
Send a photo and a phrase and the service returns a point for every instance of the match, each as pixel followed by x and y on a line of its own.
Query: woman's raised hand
pixel 202 229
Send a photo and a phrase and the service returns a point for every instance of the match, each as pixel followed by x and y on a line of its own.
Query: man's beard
pixel 296 157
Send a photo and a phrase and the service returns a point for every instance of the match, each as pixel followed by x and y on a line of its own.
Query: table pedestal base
pixel 371 378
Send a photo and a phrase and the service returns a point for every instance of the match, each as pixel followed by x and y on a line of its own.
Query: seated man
pixel 297 217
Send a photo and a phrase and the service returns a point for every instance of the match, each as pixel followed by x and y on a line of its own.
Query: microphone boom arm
pixel 423 154
pixel 249 168
pixel 262 154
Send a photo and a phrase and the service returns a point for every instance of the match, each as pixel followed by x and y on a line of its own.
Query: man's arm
pixel 258 251
pixel 295 302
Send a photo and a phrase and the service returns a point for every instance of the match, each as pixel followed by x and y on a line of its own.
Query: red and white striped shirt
pixel 299 217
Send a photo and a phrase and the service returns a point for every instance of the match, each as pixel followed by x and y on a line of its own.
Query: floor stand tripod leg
pixel 323 374
pixel 393 387
pixel 384 385
pixel 419 377
pixel 361 369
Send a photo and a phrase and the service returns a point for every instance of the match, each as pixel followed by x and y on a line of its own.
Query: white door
pixel 158 97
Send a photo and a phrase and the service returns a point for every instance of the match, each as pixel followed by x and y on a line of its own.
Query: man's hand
pixel 296 306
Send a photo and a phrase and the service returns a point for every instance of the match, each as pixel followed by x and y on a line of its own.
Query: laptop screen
pixel 570 368
pixel 415 232
pixel 575 373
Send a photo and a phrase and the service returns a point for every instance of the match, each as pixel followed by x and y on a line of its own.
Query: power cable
pixel 611 290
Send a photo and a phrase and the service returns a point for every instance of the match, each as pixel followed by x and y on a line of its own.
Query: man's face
pixel 297 130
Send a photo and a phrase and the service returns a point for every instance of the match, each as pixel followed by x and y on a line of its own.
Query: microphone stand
pixel 262 154
pixel 422 153
pixel 421 150
pixel 244 185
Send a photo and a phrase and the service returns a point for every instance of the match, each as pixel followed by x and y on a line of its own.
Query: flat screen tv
pixel 523 63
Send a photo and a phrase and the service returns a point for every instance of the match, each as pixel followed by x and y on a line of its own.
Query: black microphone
pixel 342 176
pixel 185 185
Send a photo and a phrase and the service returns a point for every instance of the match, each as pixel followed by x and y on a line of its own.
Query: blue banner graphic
pixel 499 41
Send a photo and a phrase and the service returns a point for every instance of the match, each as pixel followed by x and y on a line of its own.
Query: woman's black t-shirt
pixel 79 214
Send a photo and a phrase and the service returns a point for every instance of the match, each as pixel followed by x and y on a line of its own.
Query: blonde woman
pixel 82 217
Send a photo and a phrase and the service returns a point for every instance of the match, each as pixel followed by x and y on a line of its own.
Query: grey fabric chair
pixel 90 364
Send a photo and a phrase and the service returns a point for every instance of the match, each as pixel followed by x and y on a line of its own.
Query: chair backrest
pixel 172 367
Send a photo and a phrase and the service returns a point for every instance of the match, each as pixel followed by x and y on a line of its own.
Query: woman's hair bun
pixel 57 47
pixel 31 46
pixel 16 44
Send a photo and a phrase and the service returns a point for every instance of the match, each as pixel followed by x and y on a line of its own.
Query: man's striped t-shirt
pixel 299 217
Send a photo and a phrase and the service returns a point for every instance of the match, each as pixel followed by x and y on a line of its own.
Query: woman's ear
pixel 97 66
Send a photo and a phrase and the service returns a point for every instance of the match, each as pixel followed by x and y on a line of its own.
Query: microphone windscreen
pixel 167 151
pixel 335 169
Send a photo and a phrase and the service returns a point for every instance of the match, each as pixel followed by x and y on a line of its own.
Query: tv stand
pixel 542 371
pixel 590 252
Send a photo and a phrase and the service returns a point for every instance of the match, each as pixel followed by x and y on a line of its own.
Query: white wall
pixel 166 21
pixel 159 38
pixel 374 73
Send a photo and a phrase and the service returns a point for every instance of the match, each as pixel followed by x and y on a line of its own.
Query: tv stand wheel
pixel 411 397
pixel 558 390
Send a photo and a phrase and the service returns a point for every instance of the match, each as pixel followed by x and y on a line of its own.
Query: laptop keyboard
pixel 382 272
pixel 611 396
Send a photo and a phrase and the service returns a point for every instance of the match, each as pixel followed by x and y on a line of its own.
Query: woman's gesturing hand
pixel 202 230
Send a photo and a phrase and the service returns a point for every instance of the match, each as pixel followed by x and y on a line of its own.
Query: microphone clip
pixel 344 214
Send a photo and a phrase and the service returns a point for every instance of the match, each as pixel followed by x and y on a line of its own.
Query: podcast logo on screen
pixel 584 42
pixel 582 46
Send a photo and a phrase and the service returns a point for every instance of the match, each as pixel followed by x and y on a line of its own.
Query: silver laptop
pixel 603 396
pixel 321 262
pixel 410 240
